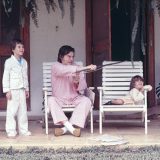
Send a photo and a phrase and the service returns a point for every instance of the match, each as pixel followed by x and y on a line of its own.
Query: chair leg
pixel 91 119
pixel 145 121
pixel 46 122
pixel 100 122
pixel 143 117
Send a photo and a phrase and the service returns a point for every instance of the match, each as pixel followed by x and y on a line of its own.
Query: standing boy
pixel 15 85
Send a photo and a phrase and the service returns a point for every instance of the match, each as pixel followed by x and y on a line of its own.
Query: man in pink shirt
pixel 67 85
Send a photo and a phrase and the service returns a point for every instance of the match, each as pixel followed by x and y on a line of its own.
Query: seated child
pixel 136 93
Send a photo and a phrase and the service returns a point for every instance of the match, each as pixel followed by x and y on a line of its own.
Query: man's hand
pixel 9 95
pixel 92 67
pixel 76 78
pixel 27 94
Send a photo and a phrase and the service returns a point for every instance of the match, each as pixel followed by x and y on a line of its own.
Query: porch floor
pixel 133 133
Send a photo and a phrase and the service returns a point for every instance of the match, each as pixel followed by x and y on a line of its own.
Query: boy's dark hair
pixel 64 50
pixel 134 79
pixel 14 42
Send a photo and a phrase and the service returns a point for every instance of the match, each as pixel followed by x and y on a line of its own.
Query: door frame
pixel 25 36
pixel 89 45
pixel 150 59
pixel 88 24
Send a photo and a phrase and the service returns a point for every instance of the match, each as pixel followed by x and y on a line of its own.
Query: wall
pixel 157 54
pixel 46 40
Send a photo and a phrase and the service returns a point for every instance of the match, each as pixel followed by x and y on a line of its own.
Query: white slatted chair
pixel 47 91
pixel 115 84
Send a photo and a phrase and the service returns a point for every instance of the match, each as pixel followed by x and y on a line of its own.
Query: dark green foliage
pixel 135 27
pixel 72 11
pixel 32 7
pixel 143 28
pixel 7 6
pixel 50 3
pixel 85 153
pixel 61 6
pixel 158 6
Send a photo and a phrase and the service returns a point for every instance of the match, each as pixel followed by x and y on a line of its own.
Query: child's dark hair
pixel 64 50
pixel 134 79
pixel 14 42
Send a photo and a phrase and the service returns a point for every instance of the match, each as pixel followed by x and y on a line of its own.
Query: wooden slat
pixel 112 96
pixel 47 71
pixel 46 80
pixel 126 70
pixel 115 83
pixel 49 89
pixel 49 93
pixel 47 76
pixel 119 75
pixel 124 67
pixel 117 88
pixel 125 63
pixel 120 92
pixel 116 79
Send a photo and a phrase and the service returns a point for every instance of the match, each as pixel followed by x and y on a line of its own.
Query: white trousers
pixel 79 115
pixel 17 106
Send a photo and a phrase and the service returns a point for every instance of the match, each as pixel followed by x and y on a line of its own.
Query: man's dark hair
pixel 14 42
pixel 64 50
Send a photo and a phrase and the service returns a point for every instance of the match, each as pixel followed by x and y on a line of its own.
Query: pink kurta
pixel 65 91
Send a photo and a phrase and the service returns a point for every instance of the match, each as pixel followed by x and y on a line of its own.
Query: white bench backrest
pixel 47 75
pixel 116 78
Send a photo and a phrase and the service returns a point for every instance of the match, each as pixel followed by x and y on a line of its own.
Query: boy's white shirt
pixel 15 75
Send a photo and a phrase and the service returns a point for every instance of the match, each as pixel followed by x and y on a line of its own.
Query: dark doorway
pixel 120 29
pixel 128 31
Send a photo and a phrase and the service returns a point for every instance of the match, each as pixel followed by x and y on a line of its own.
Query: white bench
pixel 115 84
pixel 47 91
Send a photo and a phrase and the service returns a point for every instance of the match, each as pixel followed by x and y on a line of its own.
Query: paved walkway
pixel 133 133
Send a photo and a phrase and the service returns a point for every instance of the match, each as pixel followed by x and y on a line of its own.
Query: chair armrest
pixel 99 88
pixel 91 88
pixel 147 87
